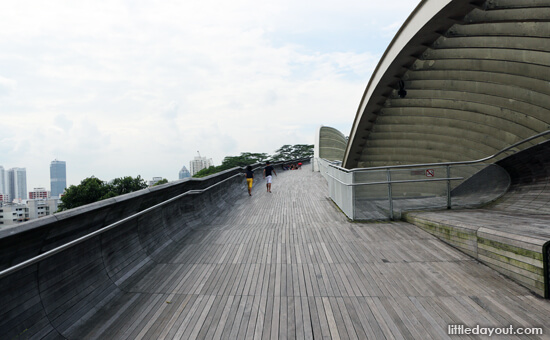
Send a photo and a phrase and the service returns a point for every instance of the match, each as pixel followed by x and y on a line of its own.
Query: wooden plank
pixel 269 318
pixel 213 318
pixel 355 317
pixel 241 319
pixel 191 316
pixel 435 323
pixel 367 319
pixel 331 321
pixel 230 318
pixel 408 318
pixel 283 319
pixel 252 318
pixel 276 315
pixel 308 318
pixel 386 323
pixel 260 321
pixel 319 310
pixel 223 318
pixel 139 323
pixel 346 324
pixel 199 322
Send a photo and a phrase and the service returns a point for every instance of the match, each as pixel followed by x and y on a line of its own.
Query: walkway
pixel 288 265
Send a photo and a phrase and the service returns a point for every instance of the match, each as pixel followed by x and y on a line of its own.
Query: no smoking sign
pixel 430 172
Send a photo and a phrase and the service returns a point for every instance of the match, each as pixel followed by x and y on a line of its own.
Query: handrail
pixel 398 181
pixel 79 240
pixel 444 163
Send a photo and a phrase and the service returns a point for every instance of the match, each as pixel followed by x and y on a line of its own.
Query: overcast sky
pixel 127 88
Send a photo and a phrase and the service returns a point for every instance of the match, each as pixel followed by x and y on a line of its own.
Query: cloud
pixel 61 121
pixel 136 87
pixel 7 85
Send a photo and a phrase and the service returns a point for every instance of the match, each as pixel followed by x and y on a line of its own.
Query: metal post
pixel 390 194
pixel 448 187
pixel 353 195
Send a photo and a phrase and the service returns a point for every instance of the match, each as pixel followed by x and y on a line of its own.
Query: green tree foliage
pixel 287 152
pixel 208 171
pixel 229 162
pixel 246 158
pixel 162 181
pixel 90 190
pixel 124 185
pixel 93 189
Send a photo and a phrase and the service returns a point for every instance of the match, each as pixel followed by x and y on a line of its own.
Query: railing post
pixel 448 187
pixel 390 194
pixel 353 195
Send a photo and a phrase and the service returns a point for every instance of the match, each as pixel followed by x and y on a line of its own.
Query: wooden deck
pixel 288 265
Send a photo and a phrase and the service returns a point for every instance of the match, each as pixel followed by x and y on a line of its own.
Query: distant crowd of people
pixel 292 166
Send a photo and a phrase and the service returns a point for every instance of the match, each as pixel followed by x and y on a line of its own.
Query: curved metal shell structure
pixel 460 81
pixel 331 143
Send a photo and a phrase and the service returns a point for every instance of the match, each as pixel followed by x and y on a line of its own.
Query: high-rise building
pixel 17 183
pixel 3 184
pixel 58 177
pixel 184 173
pixel 199 163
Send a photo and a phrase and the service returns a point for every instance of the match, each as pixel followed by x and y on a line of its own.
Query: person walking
pixel 249 179
pixel 267 174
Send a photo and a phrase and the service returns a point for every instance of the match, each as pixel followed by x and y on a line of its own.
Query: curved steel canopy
pixel 477 79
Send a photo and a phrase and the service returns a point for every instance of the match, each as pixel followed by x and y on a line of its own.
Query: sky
pixel 135 87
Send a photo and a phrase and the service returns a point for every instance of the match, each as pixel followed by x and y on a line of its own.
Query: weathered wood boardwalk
pixel 288 265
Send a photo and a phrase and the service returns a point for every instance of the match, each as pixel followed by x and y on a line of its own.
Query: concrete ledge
pixel 494 239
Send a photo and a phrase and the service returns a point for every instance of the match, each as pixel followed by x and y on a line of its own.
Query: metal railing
pixel 372 193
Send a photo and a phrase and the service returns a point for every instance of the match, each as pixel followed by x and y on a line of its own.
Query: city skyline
pixel 58 177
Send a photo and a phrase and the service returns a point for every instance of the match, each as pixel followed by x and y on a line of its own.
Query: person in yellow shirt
pixel 249 179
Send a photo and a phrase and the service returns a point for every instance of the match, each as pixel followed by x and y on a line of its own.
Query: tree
pixel 162 181
pixel 127 184
pixel 246 158
pixel 93 189
pixel 208 171
pixel 287 152
pixel 90 190
pixel 229 162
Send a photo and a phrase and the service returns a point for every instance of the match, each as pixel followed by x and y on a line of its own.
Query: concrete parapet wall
pixel 53 297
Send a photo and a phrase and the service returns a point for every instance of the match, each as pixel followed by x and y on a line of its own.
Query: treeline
pixel 93 189
pixel 246 158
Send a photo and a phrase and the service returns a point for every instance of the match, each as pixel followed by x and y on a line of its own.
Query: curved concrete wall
pixel 477 77
pixel 48 299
